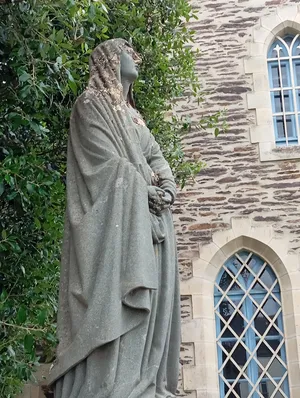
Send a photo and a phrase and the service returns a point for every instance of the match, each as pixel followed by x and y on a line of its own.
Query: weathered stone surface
pixel 269 191
pixel 235 182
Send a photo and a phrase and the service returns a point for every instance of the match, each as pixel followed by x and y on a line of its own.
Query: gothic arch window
pixel 249 327
pixel 284 78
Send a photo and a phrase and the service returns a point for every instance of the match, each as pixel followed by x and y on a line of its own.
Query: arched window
pixel 284 77
pixel 250 337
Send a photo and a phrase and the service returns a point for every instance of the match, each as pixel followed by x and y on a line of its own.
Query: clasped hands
pixel 159 200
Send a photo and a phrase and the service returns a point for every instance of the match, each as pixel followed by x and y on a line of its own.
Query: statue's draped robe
pixel 119 321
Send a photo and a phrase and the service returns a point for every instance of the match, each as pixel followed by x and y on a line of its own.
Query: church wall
pixel 237 185
pixel 234 181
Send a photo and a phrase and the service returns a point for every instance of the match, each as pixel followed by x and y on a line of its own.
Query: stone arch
pixel 284 28
pixel 201 329
pixel 286 19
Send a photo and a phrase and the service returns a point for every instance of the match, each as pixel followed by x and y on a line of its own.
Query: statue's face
pixel 129 65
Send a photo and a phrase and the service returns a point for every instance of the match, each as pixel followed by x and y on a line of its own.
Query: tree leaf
pixel 30 187
pixel 24 77
pixel 11 351
pixel 37 223
pixel 42 317
pixel 28 343
pixel 1 188
pixel 21 316
pixel 60 35
pixel 73 86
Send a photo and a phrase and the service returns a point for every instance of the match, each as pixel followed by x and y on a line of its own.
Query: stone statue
pixel 119 320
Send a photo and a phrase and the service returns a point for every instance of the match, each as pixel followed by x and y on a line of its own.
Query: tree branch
pixel 21 327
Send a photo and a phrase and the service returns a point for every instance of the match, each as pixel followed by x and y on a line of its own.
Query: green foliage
pixel 44 51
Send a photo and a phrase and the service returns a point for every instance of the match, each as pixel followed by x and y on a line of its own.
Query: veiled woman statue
pixel 119 321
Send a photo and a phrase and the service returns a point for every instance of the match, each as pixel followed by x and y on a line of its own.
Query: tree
pixel 9 1
pixel 44 50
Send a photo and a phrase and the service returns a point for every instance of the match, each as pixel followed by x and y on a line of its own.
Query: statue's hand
pixel 159 200
pixel 167 200
pixel 155 195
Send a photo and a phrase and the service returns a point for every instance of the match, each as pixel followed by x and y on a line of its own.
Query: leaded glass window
pixel 250 336
pixel 284 77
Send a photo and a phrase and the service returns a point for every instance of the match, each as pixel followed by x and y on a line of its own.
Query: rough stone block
pixel 208 393
pixel 199 330
pixel 262 133
pixel 261 34
pixel 207 374
pixel 292 349
pixel 206 353
pixel 259 99
pixel 211 252
pixel 262 233
pixel 296 22
pixel 221 238
pixel 294 371
pixel 203 306
pixel 241 226
pixel 287 14
pixel 256 49
pixel 255 65
pixel 264 117
pixel 270 22
pixel 290 327
pixel 295 391
pixel 196 286
pixel 200 267
pixel 260 79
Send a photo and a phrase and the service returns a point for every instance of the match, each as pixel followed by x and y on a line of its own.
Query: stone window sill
pixel 268 151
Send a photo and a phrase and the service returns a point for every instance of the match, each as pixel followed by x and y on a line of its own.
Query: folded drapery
pixel 114 255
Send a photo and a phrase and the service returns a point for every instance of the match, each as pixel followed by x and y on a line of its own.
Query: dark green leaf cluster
pixel 44 51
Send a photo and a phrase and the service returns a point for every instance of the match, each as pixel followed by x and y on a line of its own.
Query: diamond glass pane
pixel 266 310
pixel 240 388
pixel 250 338
pixel 228 311
pixel 237 355
pixel 267 388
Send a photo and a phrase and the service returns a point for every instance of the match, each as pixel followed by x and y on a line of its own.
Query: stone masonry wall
pixel 234 183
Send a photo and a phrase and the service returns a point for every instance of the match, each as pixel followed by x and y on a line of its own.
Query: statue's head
pixel 110 62
pixel 129 61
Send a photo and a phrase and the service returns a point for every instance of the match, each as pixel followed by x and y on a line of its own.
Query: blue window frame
pixel 249 328
pixel 284 78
